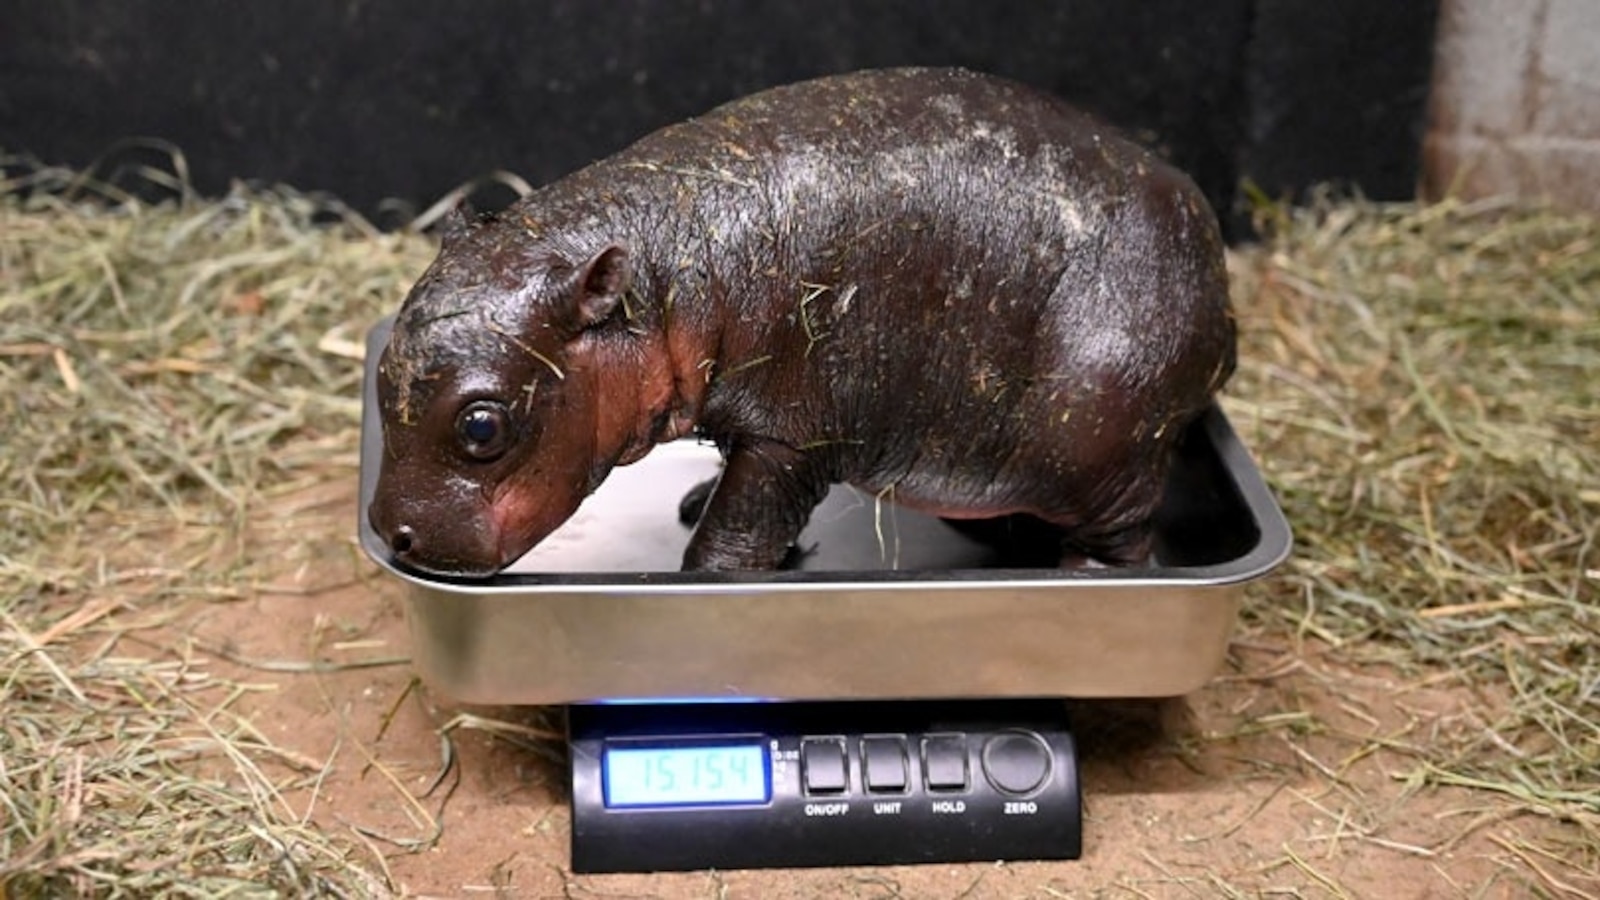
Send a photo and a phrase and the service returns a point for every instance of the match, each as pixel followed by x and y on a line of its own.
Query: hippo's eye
pixel 484 427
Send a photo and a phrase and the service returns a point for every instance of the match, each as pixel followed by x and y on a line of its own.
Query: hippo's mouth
pixel 446 568
pixel 518 523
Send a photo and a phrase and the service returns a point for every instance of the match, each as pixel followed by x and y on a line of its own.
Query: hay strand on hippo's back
pixel 164 369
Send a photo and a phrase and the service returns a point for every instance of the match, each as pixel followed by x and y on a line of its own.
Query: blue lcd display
pixel 686 775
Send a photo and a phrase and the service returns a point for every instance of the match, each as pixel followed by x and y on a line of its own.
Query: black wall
pixel 410 98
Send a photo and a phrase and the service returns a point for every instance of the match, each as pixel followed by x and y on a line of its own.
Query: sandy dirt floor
pixel 1289 775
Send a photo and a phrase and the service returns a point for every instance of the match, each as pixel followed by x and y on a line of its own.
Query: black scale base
pixel 675 787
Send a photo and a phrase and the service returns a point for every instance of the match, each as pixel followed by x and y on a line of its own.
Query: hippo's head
pixel 513 382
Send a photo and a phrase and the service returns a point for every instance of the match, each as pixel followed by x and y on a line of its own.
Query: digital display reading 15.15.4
pixel 676 776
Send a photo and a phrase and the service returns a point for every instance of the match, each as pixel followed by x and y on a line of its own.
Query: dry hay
pixel 1418 382
pixel 164 369
pixel 1422 386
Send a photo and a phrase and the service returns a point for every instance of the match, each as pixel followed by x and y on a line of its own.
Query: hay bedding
pixel 164 370
pixel 1421 385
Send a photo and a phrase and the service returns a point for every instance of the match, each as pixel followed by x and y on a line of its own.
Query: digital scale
pixel 804 717
pixel 740 786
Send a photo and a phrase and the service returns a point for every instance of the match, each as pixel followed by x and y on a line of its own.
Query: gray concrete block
pixel 1566 74
pixel 1484 49
pixel 1564 172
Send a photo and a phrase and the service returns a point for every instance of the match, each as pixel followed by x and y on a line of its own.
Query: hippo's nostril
pixel 404 540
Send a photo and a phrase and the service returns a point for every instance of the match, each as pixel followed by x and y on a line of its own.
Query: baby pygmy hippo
pixel 949 290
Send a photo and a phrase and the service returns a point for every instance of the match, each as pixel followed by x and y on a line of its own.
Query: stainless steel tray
pixel 886 603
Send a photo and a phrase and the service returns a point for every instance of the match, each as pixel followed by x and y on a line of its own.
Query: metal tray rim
pixel 524 637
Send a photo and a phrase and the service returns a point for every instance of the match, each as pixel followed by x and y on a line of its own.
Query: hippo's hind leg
pixel 1120 532
pixel 757 509
pixel 1125 547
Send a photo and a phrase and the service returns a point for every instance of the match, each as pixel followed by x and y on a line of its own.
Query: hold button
pixel 1017 762
pixel 944 761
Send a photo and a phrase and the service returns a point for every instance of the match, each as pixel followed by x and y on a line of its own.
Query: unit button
pixel 883 764
pixel 944 761
pixel 1016 762
pixel 822 762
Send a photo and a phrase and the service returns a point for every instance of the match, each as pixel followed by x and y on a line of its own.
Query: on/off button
pixel 822 762
pixel 1017 762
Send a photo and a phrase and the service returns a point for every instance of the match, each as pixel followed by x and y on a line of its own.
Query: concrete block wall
pixel 1515 107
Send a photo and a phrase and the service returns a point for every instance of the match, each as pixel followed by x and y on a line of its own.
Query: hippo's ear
pixel 600 284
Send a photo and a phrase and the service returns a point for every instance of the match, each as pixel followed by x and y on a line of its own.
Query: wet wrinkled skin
pixel 949 290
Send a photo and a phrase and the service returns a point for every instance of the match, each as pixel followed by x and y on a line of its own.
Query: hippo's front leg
pixel 757 510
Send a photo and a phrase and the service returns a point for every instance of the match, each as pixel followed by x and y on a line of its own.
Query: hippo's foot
pixel 755 512
pixel 693 504
pixel 1026 542
pixel 795 556
pixel 1122 548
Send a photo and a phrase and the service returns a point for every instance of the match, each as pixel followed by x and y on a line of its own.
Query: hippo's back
pixel 873 112
pixel 947 202
pixel 968 276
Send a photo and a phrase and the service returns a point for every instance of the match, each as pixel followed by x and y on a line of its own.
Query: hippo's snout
pixel 409 550
pixel 417 541
pixel 400 538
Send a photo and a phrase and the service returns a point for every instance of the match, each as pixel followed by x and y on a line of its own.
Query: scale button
pixel 822 763
pixel 944 761
pixel 883 763
pixel 1016 762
